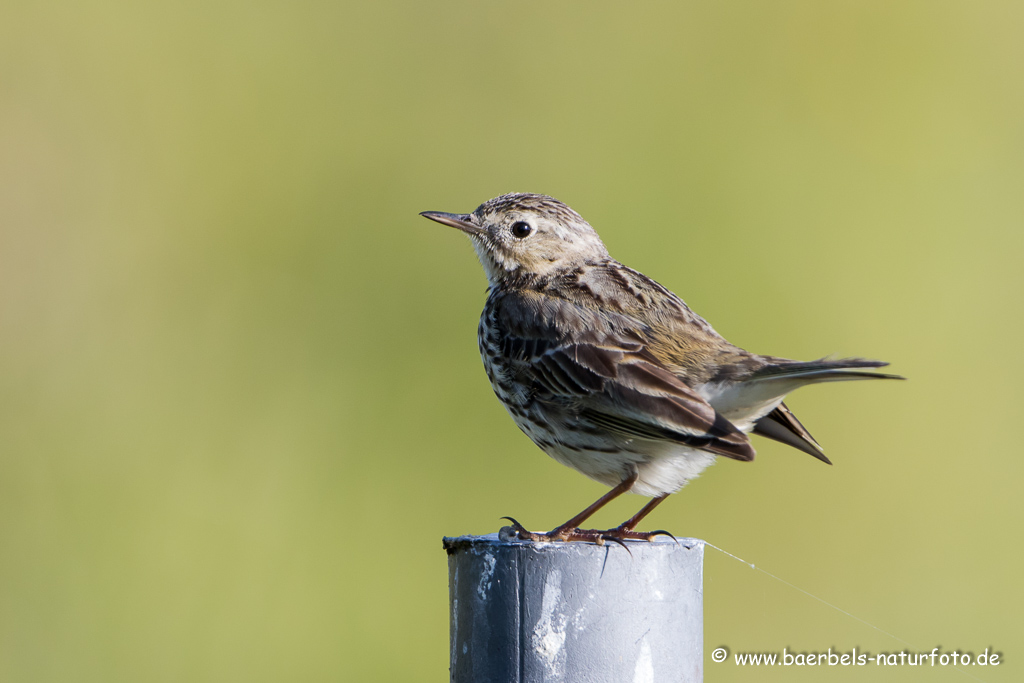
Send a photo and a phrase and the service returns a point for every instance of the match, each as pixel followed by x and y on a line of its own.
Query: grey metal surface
pixel 528 612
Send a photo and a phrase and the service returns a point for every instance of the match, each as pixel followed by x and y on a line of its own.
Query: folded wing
pixel 606 375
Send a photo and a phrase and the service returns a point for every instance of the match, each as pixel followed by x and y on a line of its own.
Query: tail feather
pixel 821 370
pixel 781 425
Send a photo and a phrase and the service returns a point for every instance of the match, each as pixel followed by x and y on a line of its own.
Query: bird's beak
pixel 462 221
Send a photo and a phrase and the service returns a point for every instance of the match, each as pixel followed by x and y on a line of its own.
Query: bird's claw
pixel 662 532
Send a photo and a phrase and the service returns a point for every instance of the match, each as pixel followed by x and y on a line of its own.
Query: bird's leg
pixel 620 488
pixel 570 531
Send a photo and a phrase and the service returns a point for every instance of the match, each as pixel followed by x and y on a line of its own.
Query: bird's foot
pixel 562 533
pixel 617 535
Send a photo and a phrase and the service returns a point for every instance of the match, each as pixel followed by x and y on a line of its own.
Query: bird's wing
pixel 598 364
pixel 680 340
pixel 647 401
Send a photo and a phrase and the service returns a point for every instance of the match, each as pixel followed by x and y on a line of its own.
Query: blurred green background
pixel 240 396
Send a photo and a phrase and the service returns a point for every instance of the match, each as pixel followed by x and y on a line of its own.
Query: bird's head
pixel 526 234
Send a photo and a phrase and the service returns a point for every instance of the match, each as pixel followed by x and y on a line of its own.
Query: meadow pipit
pixel 612 374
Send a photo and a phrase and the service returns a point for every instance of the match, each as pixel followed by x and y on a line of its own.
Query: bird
pixel 612 374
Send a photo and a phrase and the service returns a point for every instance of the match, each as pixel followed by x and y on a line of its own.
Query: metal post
pixel 526 612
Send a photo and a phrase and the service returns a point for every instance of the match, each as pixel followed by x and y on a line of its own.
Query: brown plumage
pixel 612 374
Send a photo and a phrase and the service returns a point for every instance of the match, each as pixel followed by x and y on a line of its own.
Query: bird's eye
pixel 521 229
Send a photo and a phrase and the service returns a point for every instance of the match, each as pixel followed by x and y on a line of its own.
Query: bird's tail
pixel 780 376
